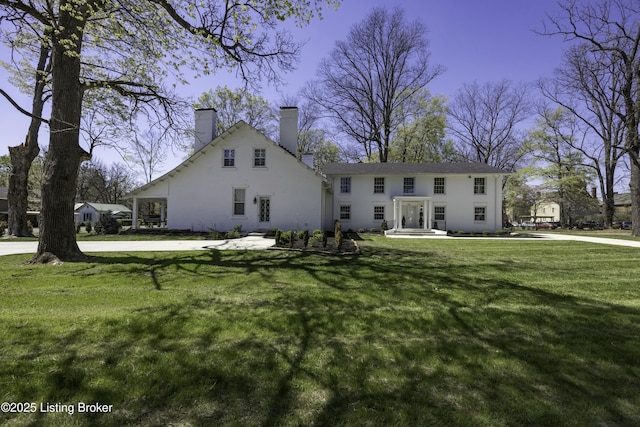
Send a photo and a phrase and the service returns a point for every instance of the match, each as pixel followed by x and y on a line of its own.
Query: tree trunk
pixel 22 156
pixel 634 186
pixel 57 227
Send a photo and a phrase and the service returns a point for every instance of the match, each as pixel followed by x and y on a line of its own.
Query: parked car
pixel 626 225
pixel 589 225
pixel 545 226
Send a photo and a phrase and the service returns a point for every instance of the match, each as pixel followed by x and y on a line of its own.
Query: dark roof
pixel 408 168
pixel 623 199
pixel 4 192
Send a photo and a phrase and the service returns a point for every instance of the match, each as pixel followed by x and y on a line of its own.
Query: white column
pixel 163 212
pixel 134 217
pixel 395 214
pixel 426 218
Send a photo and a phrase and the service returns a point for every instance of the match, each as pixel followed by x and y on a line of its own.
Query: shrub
pixel 292 238
pixel 108 224
pixel 384 226
pixel 97 227
pixel 3 227
pixel 278 235
pixel 88 228
pixel 305 238
pixel 215 234
pixel 232 234
pixel 361 230
pixel 325 237
pixel 78 228
pixel 30 227
pixel 272 232
pixel 373 230
pixel 285 237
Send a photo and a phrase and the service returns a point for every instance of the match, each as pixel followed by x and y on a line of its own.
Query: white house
pixel 242 178
pixel 443 196
pixel 92 212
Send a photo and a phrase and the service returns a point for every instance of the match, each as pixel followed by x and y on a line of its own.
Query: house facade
pixel 92 212
pixel 441 196
pixel 242 178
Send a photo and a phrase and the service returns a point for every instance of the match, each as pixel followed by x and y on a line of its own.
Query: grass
pixel 413 332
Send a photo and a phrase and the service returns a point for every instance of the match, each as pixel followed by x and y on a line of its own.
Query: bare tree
pixel 132 47
pixel 611 28
pixel 235 105
pixel 588 87
pixel 484 122
pixel 369 76
pixel 104 184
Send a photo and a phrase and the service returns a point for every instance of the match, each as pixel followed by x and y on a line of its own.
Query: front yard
pixel 410 332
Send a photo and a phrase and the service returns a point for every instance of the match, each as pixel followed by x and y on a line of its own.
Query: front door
pixel 265 209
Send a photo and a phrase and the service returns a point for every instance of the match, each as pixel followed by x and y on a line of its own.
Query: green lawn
pixel 412 332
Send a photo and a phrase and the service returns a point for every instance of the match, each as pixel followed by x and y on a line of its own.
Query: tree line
pixel 105 67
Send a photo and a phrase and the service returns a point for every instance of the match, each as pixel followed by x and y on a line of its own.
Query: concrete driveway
pixel 250 242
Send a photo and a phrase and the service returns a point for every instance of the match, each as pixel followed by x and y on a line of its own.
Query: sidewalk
pixel 250 242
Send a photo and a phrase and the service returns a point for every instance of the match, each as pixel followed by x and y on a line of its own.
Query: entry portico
pixel 412 212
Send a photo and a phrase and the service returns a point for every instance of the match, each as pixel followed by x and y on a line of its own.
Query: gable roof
pixel 105 207
pixel 223 136
pixel 409 168
pixel 4 192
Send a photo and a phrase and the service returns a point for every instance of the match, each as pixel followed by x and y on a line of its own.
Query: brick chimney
pixel 205 127
pixel 289 129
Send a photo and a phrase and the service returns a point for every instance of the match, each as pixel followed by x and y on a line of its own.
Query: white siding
pixel 459 200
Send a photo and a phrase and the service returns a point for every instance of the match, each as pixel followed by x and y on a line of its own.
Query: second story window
pixel 438 185
pixel 409 186
pixel 259 157
pixel 345 184
pixel 229 158
pixel 479 186
pixel 378 185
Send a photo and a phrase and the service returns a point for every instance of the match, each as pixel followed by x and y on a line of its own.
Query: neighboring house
pixel 4 204
pixel 242 178
pixel 544 212
pixel 622 206
pixel 443 196
pixel 32 216
pixel 92 212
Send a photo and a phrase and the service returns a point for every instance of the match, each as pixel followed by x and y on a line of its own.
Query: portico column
pixel 395 214
pixel 425 215
pixel 134 217
pixel 163 213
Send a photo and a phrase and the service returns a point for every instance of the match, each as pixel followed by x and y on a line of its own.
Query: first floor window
pixel 378 213
pixel 238 201
pixel 480 213
pixel 345 211
pixel 409 186
pixel 259 157
pixel 86 216
pixel 439 213
pixel 479 186
pixel 229 158
pixel 345 184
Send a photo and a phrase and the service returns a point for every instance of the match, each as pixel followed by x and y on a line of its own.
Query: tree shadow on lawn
pixel 431 344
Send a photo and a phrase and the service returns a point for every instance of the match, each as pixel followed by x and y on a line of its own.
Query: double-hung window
pixel 479 186
pixel 229 158
pixel 378 213
pixel 345 212
pixel 439 213
pixel 480 214
pixel 345 184
pixel 438 185
pixel 408 186
pixel 238 201
pixel 378 185
pixel 259 157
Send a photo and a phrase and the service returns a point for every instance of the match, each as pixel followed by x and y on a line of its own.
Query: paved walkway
pixel 250 242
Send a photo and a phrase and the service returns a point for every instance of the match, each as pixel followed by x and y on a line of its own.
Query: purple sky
pixel 484 41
